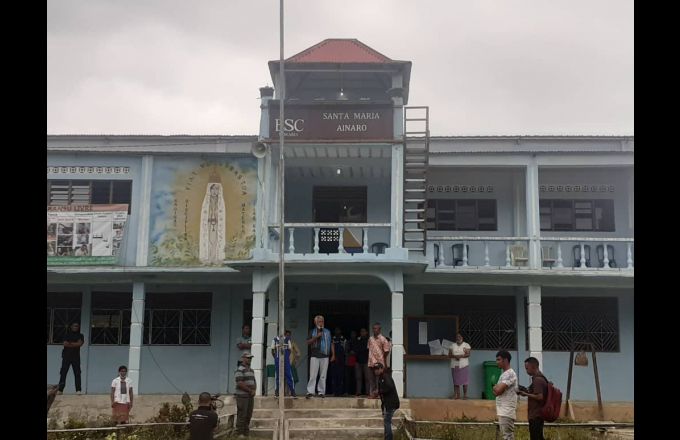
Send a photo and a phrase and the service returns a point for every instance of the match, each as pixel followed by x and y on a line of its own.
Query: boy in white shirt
pixel 506 396
pixel 121 396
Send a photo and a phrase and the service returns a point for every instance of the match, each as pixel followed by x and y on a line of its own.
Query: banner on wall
pixel 202 212
pixel 85 234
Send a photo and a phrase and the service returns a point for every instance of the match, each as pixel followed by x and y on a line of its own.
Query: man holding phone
pixel 322 348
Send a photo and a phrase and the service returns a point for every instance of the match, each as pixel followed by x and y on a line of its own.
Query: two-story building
pixel 522 243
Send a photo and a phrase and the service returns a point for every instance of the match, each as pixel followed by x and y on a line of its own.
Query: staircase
pixel 329 418
pixel 416 157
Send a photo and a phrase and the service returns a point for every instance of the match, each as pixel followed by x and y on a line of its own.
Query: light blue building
pixel 521 242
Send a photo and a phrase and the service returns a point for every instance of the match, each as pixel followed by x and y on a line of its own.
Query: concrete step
pixel 345 413
pixel 318 403
pixel 268 423
pixel 261 432
pixel 328 423
pixel 336 433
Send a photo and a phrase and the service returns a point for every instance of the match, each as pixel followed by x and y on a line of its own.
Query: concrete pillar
pixel 85 318
pixel 136 335
pixel 144 210
pixel 398 106
pixel 258 344
pixel 533 219
pixel 397 208
pixel 271 323
pixel 398 340
pixel 535 323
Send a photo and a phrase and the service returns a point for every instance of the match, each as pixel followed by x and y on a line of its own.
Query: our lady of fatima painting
pixel 202 212
pixel 213 220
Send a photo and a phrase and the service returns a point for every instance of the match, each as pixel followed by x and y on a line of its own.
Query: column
pixel 397 208
pixel 136 333
pixel 258 344
pixel 535 323
pixel 533 219
pixel 398 340
pixel 85 315
pixel 271 331
pixel 263 171
pixel 144 213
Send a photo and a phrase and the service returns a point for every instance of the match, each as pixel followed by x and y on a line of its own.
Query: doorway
pixel 348 315
pixel 340 204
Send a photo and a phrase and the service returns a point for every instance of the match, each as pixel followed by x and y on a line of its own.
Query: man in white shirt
pixel 506 396
pixel 121 396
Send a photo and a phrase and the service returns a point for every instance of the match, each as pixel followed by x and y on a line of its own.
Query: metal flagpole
pixel 281 349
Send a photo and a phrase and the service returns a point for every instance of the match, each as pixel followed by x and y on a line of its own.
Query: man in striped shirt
pixel 245 394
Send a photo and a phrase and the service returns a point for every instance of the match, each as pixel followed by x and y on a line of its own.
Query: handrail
pixel 474 238
pixel 598 239
pixel 334 225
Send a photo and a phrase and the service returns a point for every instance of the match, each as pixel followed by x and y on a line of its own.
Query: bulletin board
pixel 421 329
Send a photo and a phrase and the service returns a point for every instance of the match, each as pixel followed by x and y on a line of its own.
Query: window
pixel 85 192
pixel 110 318
pixel 487 322
pixel 177 318
pixel 577 215
pixel 461 215
pixel 582 319
pixel 63 309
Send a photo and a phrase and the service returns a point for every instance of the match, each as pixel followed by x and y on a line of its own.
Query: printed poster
pixel 85 234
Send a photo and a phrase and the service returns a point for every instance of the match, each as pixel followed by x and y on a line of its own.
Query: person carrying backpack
pixel 537 394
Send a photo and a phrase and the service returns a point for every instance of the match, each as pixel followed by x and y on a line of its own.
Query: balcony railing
pixel 309 238
pixel 487 252
pixel 513 252
pixel 581 256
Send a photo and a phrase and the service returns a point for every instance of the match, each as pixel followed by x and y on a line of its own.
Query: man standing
pixel 378 352
pixel 70 356
pixel 288 373
pixel 537 393
pixel 506 396
pixel 388 397
pixel 121 396
pixel 202 421
pixel 338 366
pixel 244 341
pixel 320 340
pixel 361 372
pixel 245 394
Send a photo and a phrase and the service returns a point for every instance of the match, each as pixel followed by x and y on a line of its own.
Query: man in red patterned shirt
pixel 378 353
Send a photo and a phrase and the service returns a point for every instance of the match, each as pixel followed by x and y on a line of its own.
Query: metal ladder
pixel 416 157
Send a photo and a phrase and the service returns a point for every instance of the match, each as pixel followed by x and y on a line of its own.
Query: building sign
pixel 202 212
pixel 351 122
pixel 85 234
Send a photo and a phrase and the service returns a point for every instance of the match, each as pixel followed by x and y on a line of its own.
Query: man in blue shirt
pixel 320 340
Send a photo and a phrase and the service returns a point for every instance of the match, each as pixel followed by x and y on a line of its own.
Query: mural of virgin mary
pixel 213 223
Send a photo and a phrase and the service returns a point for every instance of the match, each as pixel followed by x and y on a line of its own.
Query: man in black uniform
pixel 388 396
pixel 70 356
pixel 203 421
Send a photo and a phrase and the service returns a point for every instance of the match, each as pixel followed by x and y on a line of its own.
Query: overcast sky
pixel 501 67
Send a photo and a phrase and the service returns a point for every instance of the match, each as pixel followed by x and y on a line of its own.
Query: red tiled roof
pixel 339 50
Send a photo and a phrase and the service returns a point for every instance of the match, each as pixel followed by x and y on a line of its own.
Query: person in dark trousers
pixel 350 362
pixel 202 421
pixel 245 394
pixel 338 366
pixel 389 397
pixel 70 356
pixel 536 394
pixel 288 372
pixel 361 372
